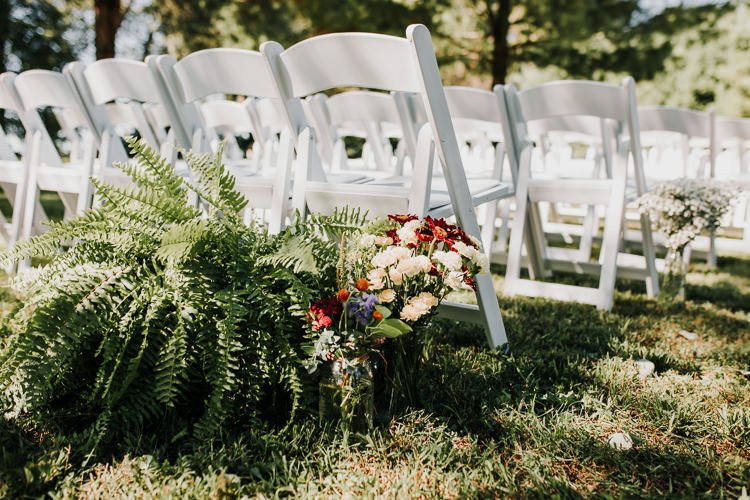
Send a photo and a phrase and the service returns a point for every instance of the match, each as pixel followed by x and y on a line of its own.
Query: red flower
pixel 322 311
pixel 343 295
pixel 424 236
pixel 442 231
pixel 393 235
pixel 377 315
pixel 403 219
pixel 362 284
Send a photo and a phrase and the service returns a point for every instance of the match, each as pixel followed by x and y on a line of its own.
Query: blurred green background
pixel 692 54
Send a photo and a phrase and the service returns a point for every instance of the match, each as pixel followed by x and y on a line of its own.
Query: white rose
pixel 408 236
pixel 387 295
pixel 395 276
pixel 424 262
pixel 451 260
pixel 400 253
pixel 410 313
pixel 383 259
pixel 455 281
pixel 375 278
pixel 383 241
pixel 424 302
pixel 413 225
pixel 412 267
pixel 465 250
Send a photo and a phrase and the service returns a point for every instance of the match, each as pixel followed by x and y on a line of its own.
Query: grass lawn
pixel 530 422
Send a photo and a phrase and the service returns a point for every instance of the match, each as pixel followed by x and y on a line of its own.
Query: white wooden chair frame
pixel 226 71
pixel 616 106
pixel 391 64
pixel 47 171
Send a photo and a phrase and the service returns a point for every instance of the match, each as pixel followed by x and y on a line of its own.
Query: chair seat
pixel 743 181
pixel 63 179
pixel 11 171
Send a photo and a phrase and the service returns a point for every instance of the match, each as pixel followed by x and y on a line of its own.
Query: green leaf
pixel 384 311
pixel 390 328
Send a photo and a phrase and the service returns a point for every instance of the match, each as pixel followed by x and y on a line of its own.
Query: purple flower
pixel 362 308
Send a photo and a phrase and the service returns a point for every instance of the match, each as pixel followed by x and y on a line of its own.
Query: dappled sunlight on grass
pixel 533 421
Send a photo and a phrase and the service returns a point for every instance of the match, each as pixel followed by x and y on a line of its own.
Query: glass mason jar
pixel 346 393
pixel 673 280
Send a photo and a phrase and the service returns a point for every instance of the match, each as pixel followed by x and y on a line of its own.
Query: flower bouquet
pixel 392 275
pixel 682 209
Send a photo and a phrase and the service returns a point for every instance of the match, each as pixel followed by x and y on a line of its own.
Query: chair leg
pixel 489 212
pixel 649 253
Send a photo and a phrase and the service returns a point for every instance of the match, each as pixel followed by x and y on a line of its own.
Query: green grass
pixel 531 422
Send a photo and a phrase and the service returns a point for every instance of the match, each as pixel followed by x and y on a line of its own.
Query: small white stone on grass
pixel 620 441
pixel 645 367
pixel 688 335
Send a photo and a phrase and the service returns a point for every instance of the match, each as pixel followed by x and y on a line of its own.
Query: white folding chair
pixel 227 71
pixel 733 165
pixel 692 132
pixel 14 171
pixel 389 64
pixel 117 94
pixel 615 108
pixel 47 170
pixel 478 124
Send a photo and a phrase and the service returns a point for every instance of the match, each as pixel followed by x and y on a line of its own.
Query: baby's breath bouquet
pixel 682 209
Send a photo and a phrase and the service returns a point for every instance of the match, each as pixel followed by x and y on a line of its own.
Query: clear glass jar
pixel 673 279
pixel 346 393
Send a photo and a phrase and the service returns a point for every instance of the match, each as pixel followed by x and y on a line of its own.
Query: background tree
pixel 33 35
pixel 108 18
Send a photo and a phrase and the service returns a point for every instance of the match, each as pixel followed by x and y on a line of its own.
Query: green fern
pixel 160 310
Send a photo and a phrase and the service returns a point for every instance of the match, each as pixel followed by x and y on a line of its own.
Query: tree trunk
pixel 4 30
pixel 4 33
pixel 500 52
pixel 108 15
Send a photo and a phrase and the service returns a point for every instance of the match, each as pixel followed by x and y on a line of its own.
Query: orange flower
pixel 362 284
pixel 343 295
pixel 377 315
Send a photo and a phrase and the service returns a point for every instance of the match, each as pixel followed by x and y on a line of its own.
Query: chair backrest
pixel 736 131
pixel 476 118
pixel 678 120
pixel 9 101
pixel 122 88
pixel 578 106
pixel 207 72
pixel 38 89
pixel 378 62
pixel 473 109
pixel 688 124
pixel 229 119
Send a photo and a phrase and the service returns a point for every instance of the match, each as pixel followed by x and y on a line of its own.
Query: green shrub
pixel 160 311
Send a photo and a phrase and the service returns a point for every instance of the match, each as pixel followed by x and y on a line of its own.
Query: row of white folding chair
pixel 89 127
pixel 333 61
pixel 614 110
pixel 349 60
